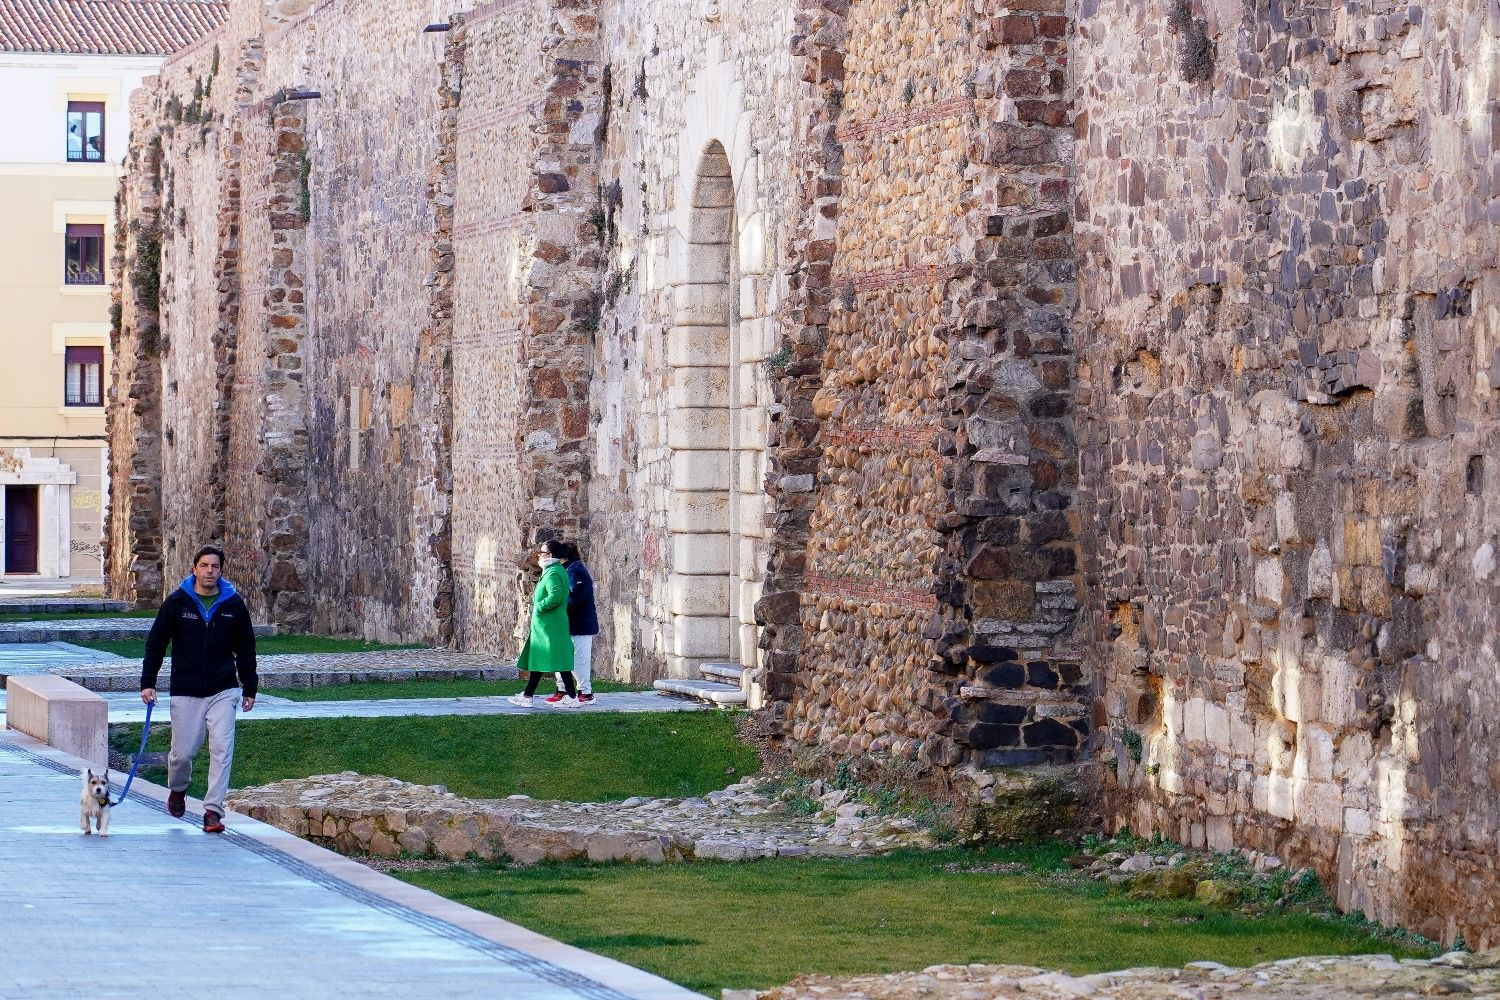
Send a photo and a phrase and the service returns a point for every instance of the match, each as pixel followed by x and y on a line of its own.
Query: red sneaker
pixel 553 699
pixel 177 804
pixel 212 822
pixel 584 699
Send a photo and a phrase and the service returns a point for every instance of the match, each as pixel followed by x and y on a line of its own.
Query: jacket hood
pixel 226 591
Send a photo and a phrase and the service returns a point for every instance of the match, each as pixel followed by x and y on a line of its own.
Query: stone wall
pixel 998 383
pixel 526 240
pixel 1286 218
pixel 698 199
pixel 924 595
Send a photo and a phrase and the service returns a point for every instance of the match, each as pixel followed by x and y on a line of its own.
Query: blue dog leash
pixel 135 765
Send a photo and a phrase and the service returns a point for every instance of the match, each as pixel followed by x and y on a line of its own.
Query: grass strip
pixel 711 925
pixel 598 756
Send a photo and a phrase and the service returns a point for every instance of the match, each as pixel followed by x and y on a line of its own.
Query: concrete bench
pixel 61 714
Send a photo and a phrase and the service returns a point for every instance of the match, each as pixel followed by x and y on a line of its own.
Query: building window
pixel 84 385
pixel 84 247
pixel 85 132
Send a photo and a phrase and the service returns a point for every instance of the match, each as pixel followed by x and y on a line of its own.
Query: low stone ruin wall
pixel 385 817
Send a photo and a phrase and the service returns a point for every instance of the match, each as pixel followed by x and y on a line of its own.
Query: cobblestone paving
pixel 266 914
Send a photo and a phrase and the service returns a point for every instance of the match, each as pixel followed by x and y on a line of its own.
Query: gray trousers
pixel 192 720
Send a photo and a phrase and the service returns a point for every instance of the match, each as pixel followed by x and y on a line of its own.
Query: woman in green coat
pixel 549 649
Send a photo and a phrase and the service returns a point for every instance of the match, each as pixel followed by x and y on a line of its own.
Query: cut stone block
pixel 709 691
pixel 711 225
pixel 699 513
pixel 698 429
pixel 699 387
pixel 704 305
pixel 702 553
pixel 61 714
pixel 708 263
pixel 724 673
pixel 698 595
pixel 696 471
pixel 700 637
pixel 713 192
pixel 698 345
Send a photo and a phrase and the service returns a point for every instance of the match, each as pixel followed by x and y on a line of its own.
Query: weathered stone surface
pixel 368 815
pixel 1344 978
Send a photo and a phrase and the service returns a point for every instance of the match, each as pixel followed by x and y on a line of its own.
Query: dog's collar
pixel 103 800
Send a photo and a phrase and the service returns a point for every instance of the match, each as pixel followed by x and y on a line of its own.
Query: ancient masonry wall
pixel 924 575
pixel 1287 225
pixel 377 495
pixel 526 242
pixel 133 532
pixel 698 201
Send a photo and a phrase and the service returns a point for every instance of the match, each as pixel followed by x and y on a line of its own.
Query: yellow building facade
pixel 64 126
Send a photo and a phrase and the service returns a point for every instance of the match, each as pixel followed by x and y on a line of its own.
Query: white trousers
pixel 192 720
pixel 583 664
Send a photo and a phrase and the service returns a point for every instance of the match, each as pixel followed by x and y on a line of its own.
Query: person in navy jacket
pixel 207 626
pixel 583 623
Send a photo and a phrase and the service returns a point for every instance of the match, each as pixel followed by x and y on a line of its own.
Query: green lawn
pixel 381 690
pixel 73 616
pixel 134 649
pixel 596 756
pixel 715 925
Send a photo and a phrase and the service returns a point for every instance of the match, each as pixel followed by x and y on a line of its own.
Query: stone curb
pixel 58 605
pixel 40 632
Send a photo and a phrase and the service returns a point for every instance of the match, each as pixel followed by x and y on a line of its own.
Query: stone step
pixel 713 692
pixel 728 673
pixel 88 630
pixel 60 605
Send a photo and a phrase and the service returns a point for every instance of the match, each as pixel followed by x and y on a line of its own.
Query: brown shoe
pixel 177 804
pixel 212 822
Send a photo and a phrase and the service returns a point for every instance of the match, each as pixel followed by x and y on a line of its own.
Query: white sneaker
pixel 565 703
pixel 520 699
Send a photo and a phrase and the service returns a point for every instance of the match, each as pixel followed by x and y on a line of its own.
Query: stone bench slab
pixel 710 691
pixel 60 605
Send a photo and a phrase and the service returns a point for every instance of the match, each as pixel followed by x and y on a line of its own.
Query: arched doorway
pixel 703 432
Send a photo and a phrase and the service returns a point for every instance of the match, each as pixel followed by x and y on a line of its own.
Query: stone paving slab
pixel 88 630
pixel 159 909
pixel 57 605
pixel 31 658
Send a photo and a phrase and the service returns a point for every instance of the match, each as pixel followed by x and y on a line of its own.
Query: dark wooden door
pixel 22 517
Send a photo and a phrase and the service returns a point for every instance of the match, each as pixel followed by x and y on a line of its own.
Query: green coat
pixel 550 647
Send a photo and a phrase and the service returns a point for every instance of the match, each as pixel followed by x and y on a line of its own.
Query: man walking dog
pixel 213 671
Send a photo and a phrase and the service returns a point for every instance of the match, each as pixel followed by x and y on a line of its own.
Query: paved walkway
pixel 127 707
pixel 162 910
pixel 87 630
pixel 101 671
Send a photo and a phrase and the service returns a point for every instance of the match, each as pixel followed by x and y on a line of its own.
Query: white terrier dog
pixel 93 804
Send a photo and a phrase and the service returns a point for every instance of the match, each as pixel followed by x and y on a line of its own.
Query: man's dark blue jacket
pixel 208 648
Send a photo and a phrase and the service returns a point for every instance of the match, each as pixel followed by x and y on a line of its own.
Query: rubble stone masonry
pixel 997 382
pixel 1287 227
